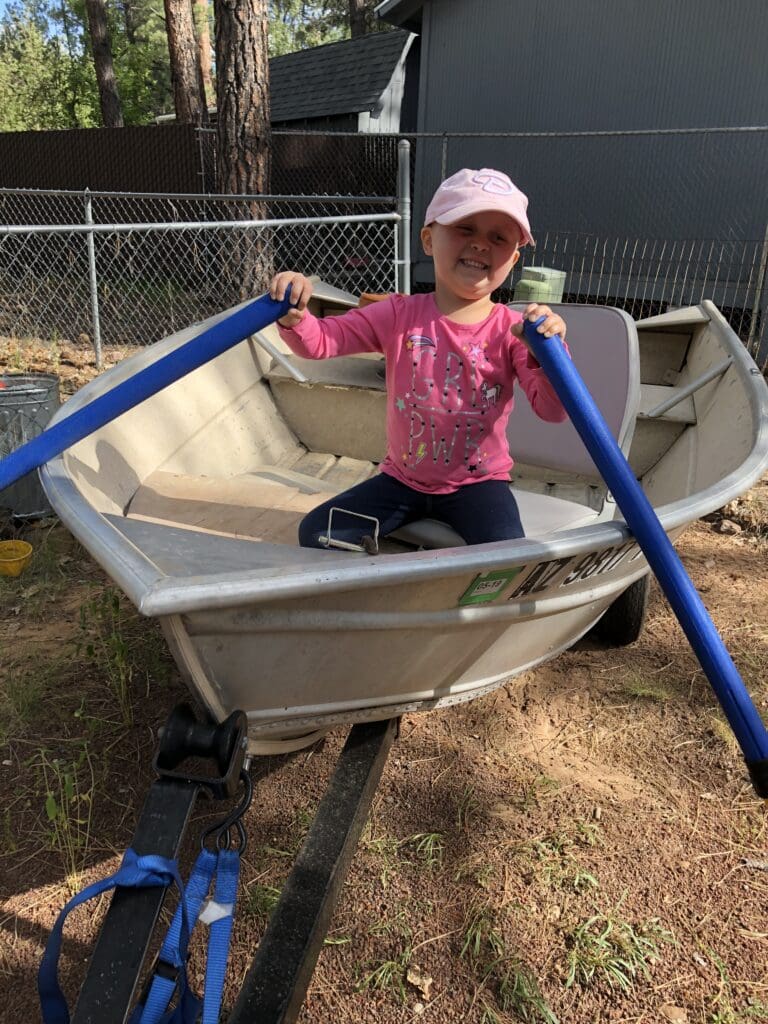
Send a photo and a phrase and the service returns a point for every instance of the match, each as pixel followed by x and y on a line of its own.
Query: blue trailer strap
pixel 640 517
pixel 170 968
pixel 225 896
pixel 170 971
pixel 135 871
pixel 253 317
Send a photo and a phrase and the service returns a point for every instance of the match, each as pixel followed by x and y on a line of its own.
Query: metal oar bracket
pixel 370 543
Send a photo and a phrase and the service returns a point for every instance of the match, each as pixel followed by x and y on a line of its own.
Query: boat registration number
pixel 539 577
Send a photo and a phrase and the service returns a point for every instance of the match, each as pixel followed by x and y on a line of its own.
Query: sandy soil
pixel 580 846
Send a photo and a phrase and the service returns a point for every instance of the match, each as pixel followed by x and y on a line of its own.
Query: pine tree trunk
pixel 70 88
pixel 129 20
pixel 204 46
pixel 109 96
pixel 359 18
pixel 243 135
pixel 188 98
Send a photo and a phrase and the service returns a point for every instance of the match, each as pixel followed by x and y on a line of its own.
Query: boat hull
pixel 316 664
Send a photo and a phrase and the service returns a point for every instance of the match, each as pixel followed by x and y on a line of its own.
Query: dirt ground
pixel 580 846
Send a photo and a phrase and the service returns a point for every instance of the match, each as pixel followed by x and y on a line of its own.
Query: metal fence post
pixel 403 256
pixel 95 322
pixel 759 287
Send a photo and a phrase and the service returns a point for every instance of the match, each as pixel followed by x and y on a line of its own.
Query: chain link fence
pixel 643 220
pixel 152 264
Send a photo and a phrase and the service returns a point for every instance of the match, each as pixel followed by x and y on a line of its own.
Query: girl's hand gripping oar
pixel 639 515
pixel 253 317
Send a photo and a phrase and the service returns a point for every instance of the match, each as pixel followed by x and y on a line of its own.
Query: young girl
pixel 452 357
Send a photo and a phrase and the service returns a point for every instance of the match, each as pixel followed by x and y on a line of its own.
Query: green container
pixel 540 284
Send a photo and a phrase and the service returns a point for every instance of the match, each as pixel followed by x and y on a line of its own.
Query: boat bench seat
pixel 268 503
pixel 540 514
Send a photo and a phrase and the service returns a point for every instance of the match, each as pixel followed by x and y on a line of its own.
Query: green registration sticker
pixel 488 585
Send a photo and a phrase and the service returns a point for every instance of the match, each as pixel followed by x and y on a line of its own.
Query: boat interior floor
pixel 267 504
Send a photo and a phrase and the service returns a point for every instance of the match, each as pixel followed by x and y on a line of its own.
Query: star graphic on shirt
pixel 476 350
pixel 400 404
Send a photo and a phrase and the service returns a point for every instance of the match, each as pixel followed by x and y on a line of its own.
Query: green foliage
pixel 261 900
pixel 68 808
pixel 723 1008
pixel 519 993
pixel 142 65
pixel 109 631
pixel 429 848
pixel 47 77
pixel 499 969
pixel 298 25
pixel 38 76
pixel 301 24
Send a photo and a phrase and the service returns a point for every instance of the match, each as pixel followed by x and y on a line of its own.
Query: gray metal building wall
pixel 604 65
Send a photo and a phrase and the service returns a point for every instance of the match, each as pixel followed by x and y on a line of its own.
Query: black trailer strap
pixel 276 984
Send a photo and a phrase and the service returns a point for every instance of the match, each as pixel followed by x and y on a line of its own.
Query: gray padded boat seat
pixel 604 348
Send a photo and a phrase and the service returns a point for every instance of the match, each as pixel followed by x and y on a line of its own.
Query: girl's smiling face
pixel 474 256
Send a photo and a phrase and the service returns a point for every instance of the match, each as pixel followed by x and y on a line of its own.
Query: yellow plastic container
pixel 15 556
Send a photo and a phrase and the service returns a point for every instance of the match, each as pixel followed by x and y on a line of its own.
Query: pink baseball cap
pixel 467 192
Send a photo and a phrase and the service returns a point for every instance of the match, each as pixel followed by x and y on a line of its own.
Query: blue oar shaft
pixel 639 515
pixel 124 396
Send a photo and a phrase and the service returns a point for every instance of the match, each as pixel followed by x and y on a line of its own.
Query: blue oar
pixel 206 346
pixel 638 513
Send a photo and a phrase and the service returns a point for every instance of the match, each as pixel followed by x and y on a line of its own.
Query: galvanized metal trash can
pixel 27 403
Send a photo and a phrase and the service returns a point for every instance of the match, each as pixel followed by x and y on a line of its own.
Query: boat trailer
pixel 277 981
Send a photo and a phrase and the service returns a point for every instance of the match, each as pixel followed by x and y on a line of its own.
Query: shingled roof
pixel 337 78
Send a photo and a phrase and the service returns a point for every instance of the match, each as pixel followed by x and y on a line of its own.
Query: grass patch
pixel 429 847
pixel 260 900
pixel 69 790
pixel 559 868
pixel 605 948
pixel 723 1009
pixel 390 974
pixel 519 993
pixel 122 648
pixel 384 848
pixel 502 974
pixel 467 809
pixel 637 686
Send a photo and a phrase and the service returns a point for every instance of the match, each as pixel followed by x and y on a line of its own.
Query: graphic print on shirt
pixel 447 402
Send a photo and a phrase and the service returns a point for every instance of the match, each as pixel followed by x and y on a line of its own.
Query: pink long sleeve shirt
pixel 449 386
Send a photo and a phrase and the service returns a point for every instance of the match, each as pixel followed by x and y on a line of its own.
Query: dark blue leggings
pixel 479 513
